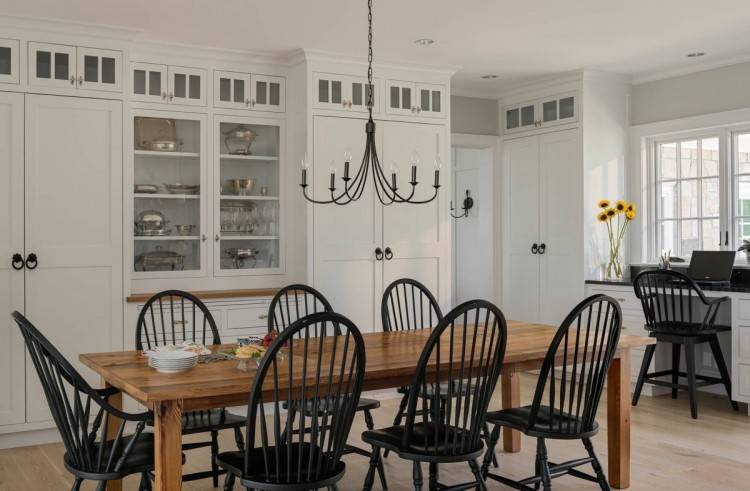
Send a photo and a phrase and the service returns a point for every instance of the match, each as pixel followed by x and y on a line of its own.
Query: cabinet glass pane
pixel 154 83
pixel 195 87
pixel 274 94
pixel 405 98
pixel 139 82
pixel 62 66
pixel 167 196
pixel 549 111
pixel 225 89
pixel 261 92
pixel 511 119
pixel 436 101
pixel 322 90
pixel 336 92
pixel 567 107
pixel 424 99
pixel 5 57
pixel 108 70
pixel 357 94
pixel 527 115
pixel 395 98
pixel 180 82
pixel 91 68
pixel 239 91
pixel 43 64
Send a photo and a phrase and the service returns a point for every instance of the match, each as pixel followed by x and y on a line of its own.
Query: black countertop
pixel 733 287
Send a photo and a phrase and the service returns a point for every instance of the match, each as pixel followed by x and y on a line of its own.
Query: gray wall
pixel 475 116
pixel 711 91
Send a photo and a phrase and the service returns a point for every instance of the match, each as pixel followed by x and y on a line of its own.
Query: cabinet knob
pixel 378 254
pixel 343 103
pixel 542 248
pixel 31 261
pixel 388 254
pixel 534 248
pixel 349 104
pixel 419 109
pixel 80 80
pixel 263 316
pixel 252 102
pixel 171 96
pixel 413 109
pixel 17 261
pixel 164 96
pixel 247 102
pixel 216 238
pixel 204 238
pixel 72 80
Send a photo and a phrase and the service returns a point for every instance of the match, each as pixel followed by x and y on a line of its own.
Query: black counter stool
pixel 671 302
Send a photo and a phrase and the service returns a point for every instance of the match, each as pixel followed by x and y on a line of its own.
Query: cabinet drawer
pixel 626 299
pixel 255 316
pixel 744 381
pixel 743 309
pixel 743 338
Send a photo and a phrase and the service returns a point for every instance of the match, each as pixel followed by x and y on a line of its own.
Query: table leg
pixel 112 428
pixel 618 420
pixel 168 446
pixel 511 397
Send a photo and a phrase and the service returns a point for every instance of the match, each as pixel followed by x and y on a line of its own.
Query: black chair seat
pixel 262 462
pixel 426 441
pixel 364 404
pixel 141 458
pixel 215 419
pixel 684 329
pixel 557 426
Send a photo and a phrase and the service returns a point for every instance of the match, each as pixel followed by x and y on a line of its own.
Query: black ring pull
pixel 17 261
pixel 388 254
pixel 542 248
pixel 31 261
pixel 378 253
pixel 534 248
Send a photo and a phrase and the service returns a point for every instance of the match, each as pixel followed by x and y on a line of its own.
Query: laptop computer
pixel 711 267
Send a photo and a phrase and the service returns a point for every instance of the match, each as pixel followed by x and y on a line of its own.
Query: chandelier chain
pixel 370 88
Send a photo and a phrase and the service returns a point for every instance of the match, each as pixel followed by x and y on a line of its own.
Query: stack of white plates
pixel 172 361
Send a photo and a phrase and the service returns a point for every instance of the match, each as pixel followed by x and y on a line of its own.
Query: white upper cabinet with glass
pixel 59 65
pixel 9 68
pixel 541 113
pixel 237 90
pixel 344 93
pixel 149 82
pixel 415 99
pixel 168 84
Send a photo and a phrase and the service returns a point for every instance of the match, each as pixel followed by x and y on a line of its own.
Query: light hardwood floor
pixel 670 451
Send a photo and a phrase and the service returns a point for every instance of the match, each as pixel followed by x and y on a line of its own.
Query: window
pixel 688 198
pixel 741 158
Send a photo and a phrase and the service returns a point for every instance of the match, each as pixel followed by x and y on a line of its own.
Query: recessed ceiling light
pixel 489 77
pixel 696 54
pixel 424 41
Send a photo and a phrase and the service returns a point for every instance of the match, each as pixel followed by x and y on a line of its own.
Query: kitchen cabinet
pixel 267 93
pixel 344 93
pixel 540 113
pixel 408 98
pixel 149 82
pixel 168 84
pixel 187 86
pixel 9 68
pixel 237 90
pixel 58 65
pixel 543 259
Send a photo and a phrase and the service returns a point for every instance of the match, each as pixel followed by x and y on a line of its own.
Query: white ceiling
pixel 514 39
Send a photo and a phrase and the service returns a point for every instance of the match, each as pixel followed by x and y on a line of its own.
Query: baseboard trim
pixel 27 438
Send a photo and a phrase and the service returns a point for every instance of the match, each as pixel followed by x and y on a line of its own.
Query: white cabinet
pixel 9 68
pixel 153 82
pixel 149 82
pixel 344 93
pixel 237 90
pixel 415 99
pixel 59 65
pixel 541 113
pixel 544 223
pixel 187 86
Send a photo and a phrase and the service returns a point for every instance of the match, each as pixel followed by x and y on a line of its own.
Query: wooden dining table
pixel 391 362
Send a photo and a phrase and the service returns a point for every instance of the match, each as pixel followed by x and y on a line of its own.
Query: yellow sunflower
pixel 630 214
pixel 604 203
pixel 611 212
pixel 631 207
pixel 602 216
pixel 620 206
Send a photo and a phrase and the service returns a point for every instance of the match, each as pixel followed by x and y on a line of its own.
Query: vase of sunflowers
pixel 616 217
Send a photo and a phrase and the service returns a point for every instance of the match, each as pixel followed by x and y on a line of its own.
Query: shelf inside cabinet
pixel 166 196
pixel 229 156
pixel 225 236
pixel 231 197
pixel 167 237
pixel 166 155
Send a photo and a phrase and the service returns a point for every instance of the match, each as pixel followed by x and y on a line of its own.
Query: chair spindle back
pixel 407 304
pixel 172 316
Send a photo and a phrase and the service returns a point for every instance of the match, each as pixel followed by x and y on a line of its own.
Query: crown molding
pixel 687 70
pixel 311 54
pixel 474 93
pixel 156 48
pixel 61 26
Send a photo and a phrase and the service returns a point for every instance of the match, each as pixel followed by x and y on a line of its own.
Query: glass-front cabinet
pixel 344 93
pixel 541 113
pixel 169 195
pixel 59 65
pixel 9 68
pixel 247 206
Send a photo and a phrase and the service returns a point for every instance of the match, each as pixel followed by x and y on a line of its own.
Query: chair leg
pixel 214 453
pixel 719 357
pixel 537 471
pixel 77 484
pixel 370 477
pixel 381 470
pixel 675 368
pixel 417 474
pixel 145 482
pixel 647 356
pixel 433 484
pixel 690 365
pixel 102 486
pixel 541 451
pixel 481 485
pixel 486 436
pixel 494 437
pixel 399 417
pixel 229 482
pixel 601 478
pixel 239 439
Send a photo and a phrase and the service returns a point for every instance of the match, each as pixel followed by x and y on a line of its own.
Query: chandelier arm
pixel 313 200
pixel 381 181
pixel 362 172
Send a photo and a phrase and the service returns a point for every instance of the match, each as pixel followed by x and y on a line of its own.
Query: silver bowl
pixel 241 187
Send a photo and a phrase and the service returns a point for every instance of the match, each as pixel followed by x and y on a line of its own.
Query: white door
pixel 99 69
pixel 401 97
pixel 12 380
pixel 521 268
pixel 187 86
pixel 418 235
pixel 329 91
pixel 74 225
pixel 430 100
pixel 231 89
pixel 149 82
pixel 267 93
pixel 52 65
pixel 345 237
pixel 473 250
pixel 561 225
pixel 359 93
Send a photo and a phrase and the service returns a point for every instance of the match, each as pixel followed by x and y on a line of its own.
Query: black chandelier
pixel 387 192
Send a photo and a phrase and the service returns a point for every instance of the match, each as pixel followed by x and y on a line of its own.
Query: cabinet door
pixel 52 65
pixel 418 235
pixel 267 93
pixel 9 69
pixel 231 89
pixel 73 199
pixel 431 100
pixel 345 237
pixel 12 379
pixel 330 91
pixel 99 69
pixel 402 98
pixel 149 82
pixel 359 92
pixel 560 109
pixel 560 224
pixel 187 86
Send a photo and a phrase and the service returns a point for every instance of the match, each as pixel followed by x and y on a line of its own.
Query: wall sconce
pixel 467 205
